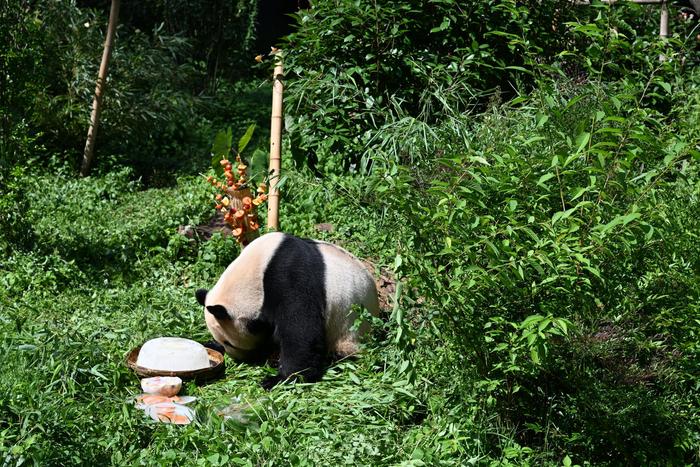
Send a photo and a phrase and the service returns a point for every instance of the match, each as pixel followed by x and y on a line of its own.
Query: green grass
pixel 449 376
pixel 110 271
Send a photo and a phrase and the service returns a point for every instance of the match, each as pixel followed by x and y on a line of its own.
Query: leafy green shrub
pixel 15 231
pixel 21 79
pixel 159 111
pixel 621 41
pixel 552 212
pixel 150 118
pixel 356 65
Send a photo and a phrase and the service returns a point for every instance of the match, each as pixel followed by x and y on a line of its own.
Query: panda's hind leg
pixel 302 342
pixel 347 346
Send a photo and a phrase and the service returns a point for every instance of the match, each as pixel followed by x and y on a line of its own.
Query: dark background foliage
pixel 171 83
pixel 356 61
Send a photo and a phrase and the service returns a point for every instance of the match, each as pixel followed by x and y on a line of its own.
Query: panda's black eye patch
pixel 219 312
pixel 215 346
pixel 258 327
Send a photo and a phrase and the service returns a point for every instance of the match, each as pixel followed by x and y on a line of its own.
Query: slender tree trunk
pixel 89 152
pixel 663 22
pixel 696 6
pixel 273 202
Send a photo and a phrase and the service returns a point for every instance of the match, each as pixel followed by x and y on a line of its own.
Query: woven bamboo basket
pixel 217 367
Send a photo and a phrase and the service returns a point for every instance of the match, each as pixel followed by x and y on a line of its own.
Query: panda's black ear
pixel 201 295
pixel 219 312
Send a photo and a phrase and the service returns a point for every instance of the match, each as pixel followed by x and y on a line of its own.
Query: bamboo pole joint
pixel 275 145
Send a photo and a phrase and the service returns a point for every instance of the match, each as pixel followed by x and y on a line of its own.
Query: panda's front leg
pixel 302 350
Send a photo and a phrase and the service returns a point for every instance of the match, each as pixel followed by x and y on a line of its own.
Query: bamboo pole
pixel 273 202
pixel 663 23
pixel 89 152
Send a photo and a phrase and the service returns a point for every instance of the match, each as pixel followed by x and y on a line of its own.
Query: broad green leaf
pixel 245 139
pixel 282 181
pixel 534 139
pixel 623 219
pixel 531 319
pixel 601 160
pixel 616 102
pixel 518 68
pixel 405 392
pixel 480 160
pixel 443 26
pixel 530 233
pixel 491 246
pixel 544 178
pixel 531 337
pixel 221 148
pixel 579 191
pixel 561 215
pixel 398 261
pixel 562 323
pixel 574 101
pixel 630 217
pixel 582 140
pixel 258 162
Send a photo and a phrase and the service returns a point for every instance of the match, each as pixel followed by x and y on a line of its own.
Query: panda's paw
pixel 271 381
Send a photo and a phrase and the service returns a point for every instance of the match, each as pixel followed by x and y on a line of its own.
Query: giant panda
pixel 292 293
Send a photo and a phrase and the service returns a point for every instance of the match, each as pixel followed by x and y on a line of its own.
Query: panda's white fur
pixel 347 283
pixel 240 290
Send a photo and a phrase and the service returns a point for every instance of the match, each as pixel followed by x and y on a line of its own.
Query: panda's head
pixel 243 337
pixel 232 308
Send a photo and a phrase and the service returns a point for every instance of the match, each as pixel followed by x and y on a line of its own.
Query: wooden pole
pixel 273 202
pixel 89 152
pixel 663 24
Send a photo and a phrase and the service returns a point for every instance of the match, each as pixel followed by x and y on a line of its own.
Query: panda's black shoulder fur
pixel 294 303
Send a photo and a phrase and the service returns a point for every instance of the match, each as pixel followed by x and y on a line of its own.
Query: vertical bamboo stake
pixel 89 152
pixel 275 145
pixel 663 26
